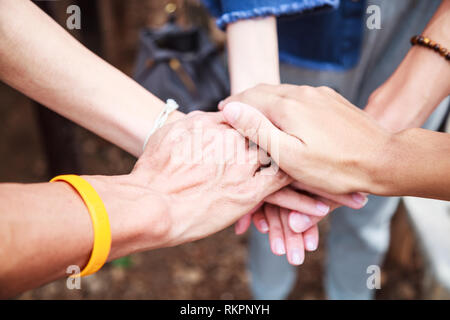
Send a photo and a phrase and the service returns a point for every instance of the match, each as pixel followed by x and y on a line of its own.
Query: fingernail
pixel 279 246
pixel 299 222
pixel 360 198
pixel 231 111
pixel 264 226
pixel 310 244
pixel 297 256
pixel 238 228
pixel 322 207
pixel 221 105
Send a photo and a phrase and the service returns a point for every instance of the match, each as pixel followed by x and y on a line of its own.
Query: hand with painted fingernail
pixel 273 220
pixel 294 224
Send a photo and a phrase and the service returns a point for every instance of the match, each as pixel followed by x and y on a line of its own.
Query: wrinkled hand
pixel 206 174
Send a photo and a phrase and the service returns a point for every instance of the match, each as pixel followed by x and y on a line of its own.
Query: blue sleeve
pixel 228 11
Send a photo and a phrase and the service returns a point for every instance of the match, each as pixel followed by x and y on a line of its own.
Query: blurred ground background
pixel 213 268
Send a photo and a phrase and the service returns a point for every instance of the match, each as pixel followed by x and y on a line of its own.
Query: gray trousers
pixel 357 239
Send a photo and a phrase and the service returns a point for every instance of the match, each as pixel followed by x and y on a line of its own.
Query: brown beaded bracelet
pixel 427 42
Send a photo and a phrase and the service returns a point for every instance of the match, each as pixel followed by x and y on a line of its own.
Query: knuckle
pixel 287 89
pixel 374 98
pixel 326 89
pixel 275 229
pixel 283 178
pixel 307 91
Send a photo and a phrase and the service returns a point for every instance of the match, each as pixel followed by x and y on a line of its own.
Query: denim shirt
pixel 315 34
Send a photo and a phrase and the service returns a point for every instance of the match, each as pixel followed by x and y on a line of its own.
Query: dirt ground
pixel 213 268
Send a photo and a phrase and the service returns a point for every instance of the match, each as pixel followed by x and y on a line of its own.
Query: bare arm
pixel 46 227
pixel 42 60
pixel 417 164
pixel 419 84
pixel 253 53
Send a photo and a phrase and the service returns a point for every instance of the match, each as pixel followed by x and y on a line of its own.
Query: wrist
pixel 388 109
pixel 253 53
pixel 175 116
pixel 134 214
pixel 389 170
pixel 409 96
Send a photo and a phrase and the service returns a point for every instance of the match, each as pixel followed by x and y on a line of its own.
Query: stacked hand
pixel 318 134
pixel 314 135
pixel 290 214
pixel 333 151
pixel 326 150
pixel 206 175
pixel 290 217
pixel 209 176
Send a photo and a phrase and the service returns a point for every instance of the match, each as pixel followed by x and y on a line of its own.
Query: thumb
pixel 253 125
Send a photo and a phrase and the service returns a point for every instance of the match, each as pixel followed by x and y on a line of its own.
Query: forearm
pixel 252 53
pixel 419 84
pixel 46 227
pixel 415 163
pixel 42 60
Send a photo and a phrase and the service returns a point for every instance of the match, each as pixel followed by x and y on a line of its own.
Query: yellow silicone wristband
pixel 100 222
